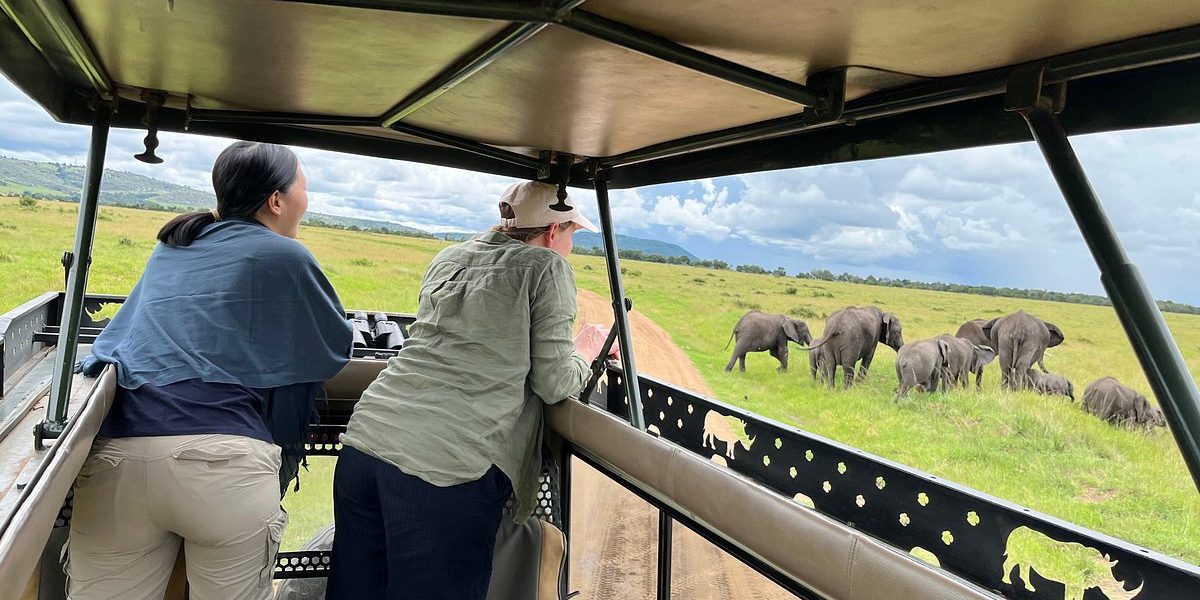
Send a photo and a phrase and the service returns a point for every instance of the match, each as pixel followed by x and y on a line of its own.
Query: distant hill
pixel 55 181
pixel 586 240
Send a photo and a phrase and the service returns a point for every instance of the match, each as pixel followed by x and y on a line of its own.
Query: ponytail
pixel 184 229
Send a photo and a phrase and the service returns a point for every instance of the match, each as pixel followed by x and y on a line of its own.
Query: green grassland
pixel 1040 452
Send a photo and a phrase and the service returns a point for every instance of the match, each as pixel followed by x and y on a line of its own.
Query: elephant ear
pixel 792 331
pixel 987 329
pixel 890 332
pixel 1056 335
pixel 804 335
pixel 983 355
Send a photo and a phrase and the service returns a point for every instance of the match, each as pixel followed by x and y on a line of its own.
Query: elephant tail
pixel 1011 367
pixel 821 342
pixel 731 334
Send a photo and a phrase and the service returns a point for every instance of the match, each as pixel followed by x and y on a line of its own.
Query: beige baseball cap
pixel 533 205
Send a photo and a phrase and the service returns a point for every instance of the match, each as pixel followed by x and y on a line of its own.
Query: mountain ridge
pixel 58 181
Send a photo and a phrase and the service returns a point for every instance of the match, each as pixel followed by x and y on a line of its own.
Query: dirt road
pixel 614 533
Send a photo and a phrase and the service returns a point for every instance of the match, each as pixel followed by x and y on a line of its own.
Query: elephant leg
pixel 1006 366
pixel 739 353
pixel 1024 370
pixel 1041 364
pixel 733 359
pixel 742 363
pixel 782 354
pixel 829 370
pixel 848 373
pixel 979 379
pixel 866 363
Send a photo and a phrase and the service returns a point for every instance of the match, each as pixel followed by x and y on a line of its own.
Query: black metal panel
pixel 968 531
pixel 302 563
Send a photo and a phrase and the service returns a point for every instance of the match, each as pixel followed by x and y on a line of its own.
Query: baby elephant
pixel 759 331
pixel 1052 384
pixel 1115 403
pixel 965 358
pixel 922 365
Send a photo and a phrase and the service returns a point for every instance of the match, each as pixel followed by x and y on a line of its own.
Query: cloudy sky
pixel 984 216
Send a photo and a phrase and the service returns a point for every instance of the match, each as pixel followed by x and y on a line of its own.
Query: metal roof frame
pixel 69 72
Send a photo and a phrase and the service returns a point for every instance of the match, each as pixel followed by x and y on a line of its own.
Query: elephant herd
pixel 1017 342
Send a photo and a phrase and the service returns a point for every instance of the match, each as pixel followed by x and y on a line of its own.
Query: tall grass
pixel 1041 452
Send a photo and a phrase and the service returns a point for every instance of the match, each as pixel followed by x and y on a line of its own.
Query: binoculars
pixel 382 334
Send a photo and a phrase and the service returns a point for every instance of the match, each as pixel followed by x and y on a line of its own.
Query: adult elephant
pixel 972 331
pixel 851 335
pixel 1020 340
pixel 758 331
pixel 964 358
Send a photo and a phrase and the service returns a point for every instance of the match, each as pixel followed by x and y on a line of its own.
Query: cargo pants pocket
pixel 275 527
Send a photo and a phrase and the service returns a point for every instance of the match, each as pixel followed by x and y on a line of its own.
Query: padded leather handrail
pixel 824 555
pixel 24 538
pixel 354 378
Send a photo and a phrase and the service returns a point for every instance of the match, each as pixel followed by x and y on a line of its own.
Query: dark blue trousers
pixel 399 537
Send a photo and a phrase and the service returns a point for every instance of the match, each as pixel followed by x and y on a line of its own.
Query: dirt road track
pixel 614 533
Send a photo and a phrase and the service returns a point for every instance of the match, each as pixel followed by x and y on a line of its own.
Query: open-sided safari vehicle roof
pixel 621 93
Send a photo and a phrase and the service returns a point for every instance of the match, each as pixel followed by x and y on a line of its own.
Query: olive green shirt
pixel 491 343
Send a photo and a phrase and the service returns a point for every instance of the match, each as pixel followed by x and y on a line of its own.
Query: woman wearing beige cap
pixel 453 426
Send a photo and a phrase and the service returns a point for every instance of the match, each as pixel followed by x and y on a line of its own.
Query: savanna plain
pixel 1037 451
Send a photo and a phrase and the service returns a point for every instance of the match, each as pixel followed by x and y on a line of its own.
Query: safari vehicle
pixel 614 94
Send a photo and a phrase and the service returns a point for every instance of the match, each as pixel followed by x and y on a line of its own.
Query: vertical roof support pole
pixel 72 315
pixel 621 316
pixel 1135 307
pixel 664 556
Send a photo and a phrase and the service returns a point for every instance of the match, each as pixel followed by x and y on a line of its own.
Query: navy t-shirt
pixel 189 407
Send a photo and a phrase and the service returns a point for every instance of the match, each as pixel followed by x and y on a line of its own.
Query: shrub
pixel 362 262
pixel 822 295
pixel 790 290
pixel 126 242
pixel 700 280
pixel 588 268
pixel 738 302
pixel 803 312
pixel 28 203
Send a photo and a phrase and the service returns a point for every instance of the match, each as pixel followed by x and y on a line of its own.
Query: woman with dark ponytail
pixel 220 351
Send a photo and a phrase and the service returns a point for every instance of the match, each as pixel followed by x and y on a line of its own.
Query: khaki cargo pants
pixel 138 499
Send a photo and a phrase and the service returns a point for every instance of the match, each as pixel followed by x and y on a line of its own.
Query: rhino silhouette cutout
pixel 718 427
pixel 1024 544
pixel 102 315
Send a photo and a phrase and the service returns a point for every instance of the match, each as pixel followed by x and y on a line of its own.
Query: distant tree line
pixel 630 254
pixel 827 275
